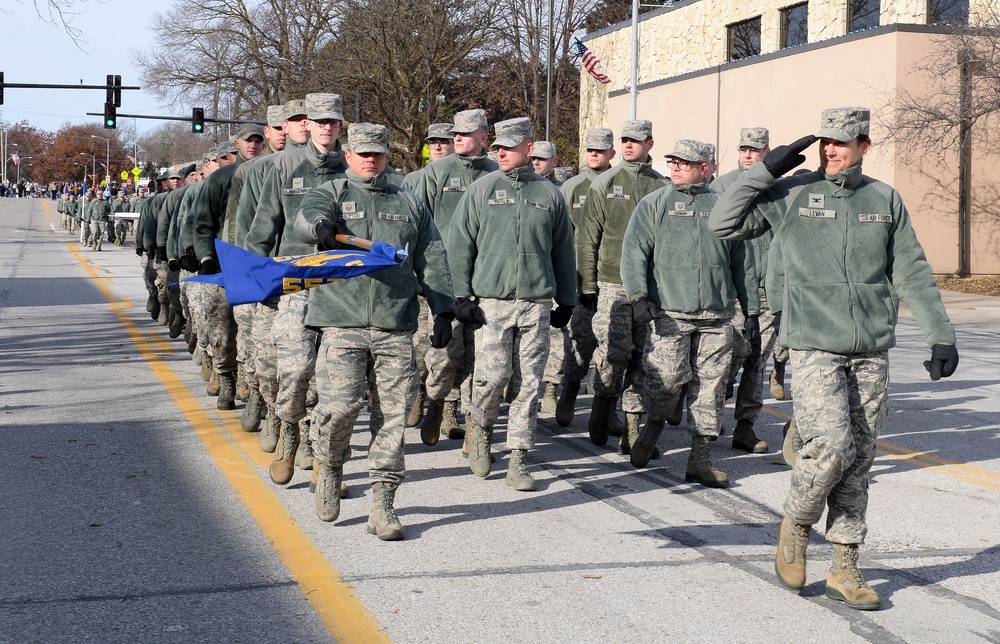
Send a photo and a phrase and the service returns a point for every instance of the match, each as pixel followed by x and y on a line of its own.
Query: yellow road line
pixel 960 471
pixel 344 615
pixel 45 207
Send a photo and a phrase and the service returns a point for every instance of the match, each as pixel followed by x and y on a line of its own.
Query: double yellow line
pixel 959 471
pixel 344 615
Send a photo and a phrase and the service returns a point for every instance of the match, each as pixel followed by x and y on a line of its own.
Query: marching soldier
pixel 369 318
pixel 511 252
pixel 682 281
pixel 618 358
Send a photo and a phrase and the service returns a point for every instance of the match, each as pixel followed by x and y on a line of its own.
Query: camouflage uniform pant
pixel 97 231
pixel 265 353
pixel 148 275
pixel 571 348
pixel 449 368
pixel 341 366
pixel 780 352
pixel 196 309
pixel 244 316
pixel 174 290
pixel 160 270
pixel 511 325
pixel 71 223
pixel 184 288
pixel 296 357
pixel 421 344
pixel 692 352
pixel 750 395
pixel 620 345
pixel 841 406
pixel 221 328
pixel 85 232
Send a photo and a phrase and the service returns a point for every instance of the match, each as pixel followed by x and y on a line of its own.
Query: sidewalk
pixel 968 312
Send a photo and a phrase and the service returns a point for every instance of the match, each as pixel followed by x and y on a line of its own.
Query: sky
pixel 33 51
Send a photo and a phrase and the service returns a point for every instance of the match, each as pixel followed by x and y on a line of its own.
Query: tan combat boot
pixel 327 499
pixel 479 451
pixel 430 430
pixel 383 521
pixel 250 416
pixel 745 439
pixel 198 356
pixel 416 413
pixel 283 464
pixel 699 467
pixel 566 405
pixel 213 386
pixel 633 428
pixel 268 437
pixel 600 410
pixel 304 455
pixel 450 426
pixel 792 444
pixel 227 391
pixel 242 389
pixel 517 472
pixel 645 445
pixel 777 384
pixel 206 366
pixel 845 583
pixel 549 400
pixel 790 561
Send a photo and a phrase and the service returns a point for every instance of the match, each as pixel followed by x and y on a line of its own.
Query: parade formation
pixel 665 295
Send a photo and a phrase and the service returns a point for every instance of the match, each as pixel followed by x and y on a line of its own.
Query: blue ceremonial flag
pixel 248 277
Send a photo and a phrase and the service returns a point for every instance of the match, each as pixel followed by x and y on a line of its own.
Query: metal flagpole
pixel 548 74
pixel 633 91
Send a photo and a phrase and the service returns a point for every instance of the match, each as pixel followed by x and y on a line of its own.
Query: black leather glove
pixel 560 316
pixel 943 362
pixel 209 266
pixel 189 261
pixel 751 331
pixel 161 253
pixel 589 301
pixel 441 335
pixel 326 233
pixel 173 265
pixel 151 252
pixel 643 311
pixel 785 157
pixel 469 313
pixel 139 250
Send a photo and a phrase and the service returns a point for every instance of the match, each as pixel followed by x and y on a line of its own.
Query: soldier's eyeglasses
pixel 682 165
pixel 326 122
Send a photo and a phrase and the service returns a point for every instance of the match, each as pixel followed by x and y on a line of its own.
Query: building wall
pixel 786 94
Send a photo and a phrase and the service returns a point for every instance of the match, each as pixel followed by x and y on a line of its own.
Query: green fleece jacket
pixel 849 253
pixel 676 262
pixel 441 185
pixel 210 209
pixel 574 192
pixel 610 202
pixel 99 210
pixel 168 210
pixel 387 299
pixel 511 239
pixel 290 178
pixel 180 229
pixel 146 230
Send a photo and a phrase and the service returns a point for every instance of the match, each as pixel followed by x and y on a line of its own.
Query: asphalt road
pixel 132 510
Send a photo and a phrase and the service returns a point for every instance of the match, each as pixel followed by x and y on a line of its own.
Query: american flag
pixel 589 61
pixel 16 158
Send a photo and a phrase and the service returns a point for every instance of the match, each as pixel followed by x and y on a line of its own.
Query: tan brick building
pixel 709 67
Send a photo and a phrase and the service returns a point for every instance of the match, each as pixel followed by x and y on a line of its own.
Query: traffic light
pixel 197 120
pixel 110 98
pixel 118 91
pixel 110 116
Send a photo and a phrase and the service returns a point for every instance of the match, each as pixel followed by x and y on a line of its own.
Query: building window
pixel 744 39
pixel 795 25
pixel 862 14
pixel 948 12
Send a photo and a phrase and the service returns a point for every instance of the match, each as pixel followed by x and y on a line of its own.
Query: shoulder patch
pixel 618 192
pixel 817 200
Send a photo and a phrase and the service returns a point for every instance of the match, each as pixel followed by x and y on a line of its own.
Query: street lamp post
pixel 84 166
pixel 94 157
pixel 107 177
pixel 18 164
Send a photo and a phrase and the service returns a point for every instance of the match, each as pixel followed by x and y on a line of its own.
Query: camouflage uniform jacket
pixel 444 182
pixel 511 239
pixel 850 252
pixel 674 259
pixel 210 209
pixel 290 178
pixel 387 299
pixel 610 202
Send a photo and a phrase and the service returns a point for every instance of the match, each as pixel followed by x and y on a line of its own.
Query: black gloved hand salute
pixel 943 362
pixel 785 157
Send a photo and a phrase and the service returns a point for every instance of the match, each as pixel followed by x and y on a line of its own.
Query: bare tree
pixel 172 144
pixel 61 14
pixel 236 56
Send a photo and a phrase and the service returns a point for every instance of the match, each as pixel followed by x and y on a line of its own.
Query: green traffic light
pixel 110 123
